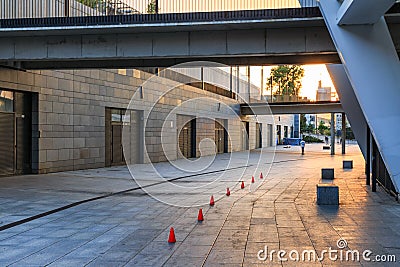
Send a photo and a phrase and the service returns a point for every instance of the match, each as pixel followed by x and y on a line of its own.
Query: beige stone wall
pixel 72 113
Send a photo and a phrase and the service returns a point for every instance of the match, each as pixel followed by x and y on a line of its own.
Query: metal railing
pixel 11 9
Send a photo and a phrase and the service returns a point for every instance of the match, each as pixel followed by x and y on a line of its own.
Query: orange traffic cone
pixel 261 176
pixel 252 179
pixel 200 217
pixel 228 193
pixel 242 186
pixel 212 201
pixel 171 238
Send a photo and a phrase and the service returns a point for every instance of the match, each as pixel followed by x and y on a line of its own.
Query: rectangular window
pixel 6 101
pixel 116 115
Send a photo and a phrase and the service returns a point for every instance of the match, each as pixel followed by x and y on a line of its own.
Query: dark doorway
pixel 245 135
pixel 279 134
pixel 258 135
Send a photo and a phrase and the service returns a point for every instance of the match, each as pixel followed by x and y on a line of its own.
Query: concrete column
pixel 202 77
pixel 237 80
pixel 343 133
pixel 374 170
pixel 368 158
pixel 248 83
pixel 231 80
pixel 332 133
pixel 262 82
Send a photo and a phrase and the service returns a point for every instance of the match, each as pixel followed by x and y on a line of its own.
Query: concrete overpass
pixel 233 38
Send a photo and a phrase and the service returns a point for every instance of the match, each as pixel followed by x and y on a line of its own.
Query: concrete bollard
pixel 328 173
pixel 327 194
pixel 347 164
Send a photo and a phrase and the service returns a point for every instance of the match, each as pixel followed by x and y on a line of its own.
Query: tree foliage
pixel 323 129
pixel 151 7
pixel 89 3
pixel 286 80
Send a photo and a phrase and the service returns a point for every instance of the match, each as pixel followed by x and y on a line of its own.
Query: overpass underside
pixel 249 37
pixel 291 108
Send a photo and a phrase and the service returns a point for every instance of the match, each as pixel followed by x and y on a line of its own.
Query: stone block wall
pixel 71 107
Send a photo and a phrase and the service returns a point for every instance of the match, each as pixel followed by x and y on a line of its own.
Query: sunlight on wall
pixel 168 6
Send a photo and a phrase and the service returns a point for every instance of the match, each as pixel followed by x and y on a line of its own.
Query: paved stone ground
pixel 132 229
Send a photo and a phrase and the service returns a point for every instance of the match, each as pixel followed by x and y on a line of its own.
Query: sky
pixel 312 74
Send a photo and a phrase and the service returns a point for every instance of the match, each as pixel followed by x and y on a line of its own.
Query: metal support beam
pixel 343 139
pixel 353 12
pixel 332 133
pixel 368 158
pixel 353 42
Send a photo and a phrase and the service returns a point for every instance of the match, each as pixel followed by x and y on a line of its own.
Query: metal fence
pixel 10 9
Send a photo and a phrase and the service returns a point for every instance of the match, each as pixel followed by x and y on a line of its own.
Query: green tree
pixel 322 128
pixel 310 128
pixel 89 3
pixel 151 7
pixel 286 79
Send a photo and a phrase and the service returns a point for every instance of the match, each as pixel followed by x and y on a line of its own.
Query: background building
pixel 323 93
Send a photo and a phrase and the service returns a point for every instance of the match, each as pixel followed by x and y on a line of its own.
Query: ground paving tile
pixel 131 229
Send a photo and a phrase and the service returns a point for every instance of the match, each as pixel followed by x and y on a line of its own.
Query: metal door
pixel 7 143
pixel 270 135
pixel 186 127
pixel 185 140
pixel 220 137
pixel 116 144
pixel 132 137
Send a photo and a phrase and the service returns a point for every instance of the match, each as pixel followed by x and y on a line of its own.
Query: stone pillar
pixel 374 160
pixel 368 158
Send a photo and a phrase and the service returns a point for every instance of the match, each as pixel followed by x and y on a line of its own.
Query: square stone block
pixel 327 194
pixel 328 173
pixel 347 164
